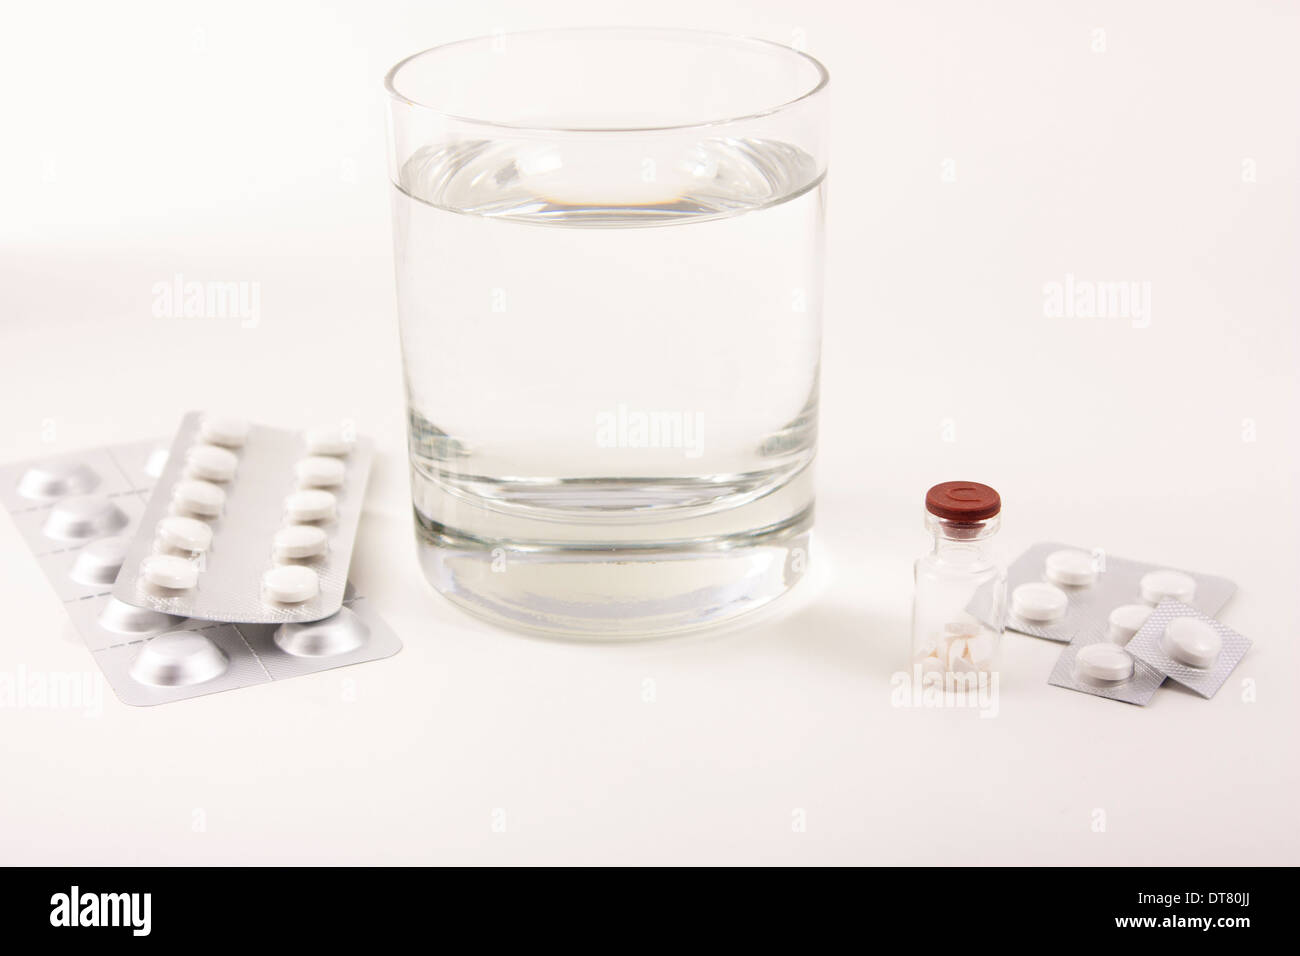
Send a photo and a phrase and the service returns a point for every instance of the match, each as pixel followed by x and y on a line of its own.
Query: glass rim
pixel 823 80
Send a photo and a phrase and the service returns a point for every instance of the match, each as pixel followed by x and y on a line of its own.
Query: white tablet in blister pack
pixel 281 509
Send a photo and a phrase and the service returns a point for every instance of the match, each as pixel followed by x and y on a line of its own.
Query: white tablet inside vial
pixel 1071 567
pixel 1039 602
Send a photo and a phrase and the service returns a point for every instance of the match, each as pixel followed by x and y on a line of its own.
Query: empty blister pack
pixel 1105 669
pixel 248 524
pixel 76 512
pixel 173 660
pixel 1189 647
pixel 1063 593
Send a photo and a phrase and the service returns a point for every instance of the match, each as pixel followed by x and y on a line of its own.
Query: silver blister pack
pixel 1116 582
pixel 1072 674
pixel 248 524
pixel 76 512
pixel 1155 645
pixel 192 658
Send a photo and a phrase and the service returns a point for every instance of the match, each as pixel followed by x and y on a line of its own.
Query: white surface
pixel 980 154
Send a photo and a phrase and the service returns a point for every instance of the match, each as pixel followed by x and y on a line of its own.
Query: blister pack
pixel 1105 669
pixel 77 513
pixel 1064 593
pixel 152 658
pixel 248 524
pixel 1189 647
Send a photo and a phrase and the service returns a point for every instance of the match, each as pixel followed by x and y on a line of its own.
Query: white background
pixel 244 141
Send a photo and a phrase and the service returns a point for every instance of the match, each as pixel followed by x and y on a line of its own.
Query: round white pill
pixel 1103 662
pixel 230 432
pixel 211 463
pixel 328 440
pixel 169 571
pixel 199 497
pixel 1125 621
pixel 1160 586
pixel 320 471
pixel 1039 602
pixel 310 504
pixel 299 541
pixel 1191 641
pixel 957 656
pixel 1071 567
pixel 98 562
pixel 290 584
pixel 184 534
pixel 980 649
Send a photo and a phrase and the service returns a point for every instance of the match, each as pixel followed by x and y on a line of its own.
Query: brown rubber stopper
pixel 962 501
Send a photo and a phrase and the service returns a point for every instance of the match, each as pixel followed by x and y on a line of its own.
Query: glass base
pixel 619 592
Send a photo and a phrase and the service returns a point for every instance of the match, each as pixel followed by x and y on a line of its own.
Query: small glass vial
pixel 960 603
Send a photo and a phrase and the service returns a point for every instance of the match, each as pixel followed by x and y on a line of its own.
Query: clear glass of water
pixel 609 252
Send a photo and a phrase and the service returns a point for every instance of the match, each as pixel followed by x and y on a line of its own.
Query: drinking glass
pixel 608 247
